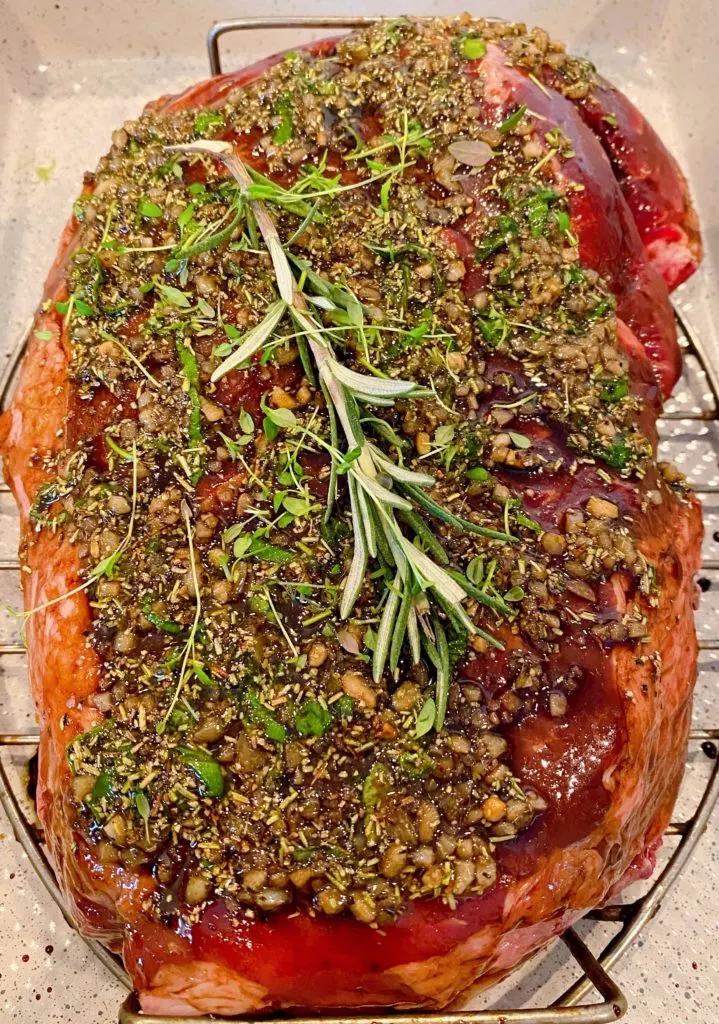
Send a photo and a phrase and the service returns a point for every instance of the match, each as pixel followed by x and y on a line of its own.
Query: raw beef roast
pixel 358 608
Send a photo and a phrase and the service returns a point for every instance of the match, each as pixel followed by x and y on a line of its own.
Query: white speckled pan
pixel 71 72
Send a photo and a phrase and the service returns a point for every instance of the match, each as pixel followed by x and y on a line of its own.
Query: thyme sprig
pixel 188 651
pixel 418 581
pixel 413 138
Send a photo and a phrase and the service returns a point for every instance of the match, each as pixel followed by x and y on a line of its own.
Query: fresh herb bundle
pixel 421 591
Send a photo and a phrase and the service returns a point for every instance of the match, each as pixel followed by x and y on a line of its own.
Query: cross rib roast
pixel 607 769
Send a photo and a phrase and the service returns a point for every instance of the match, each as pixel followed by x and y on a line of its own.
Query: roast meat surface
pixel 529 235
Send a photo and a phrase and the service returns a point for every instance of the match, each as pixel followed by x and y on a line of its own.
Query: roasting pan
pixel 68 75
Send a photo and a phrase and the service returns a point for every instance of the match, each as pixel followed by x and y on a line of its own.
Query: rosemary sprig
pixel 371 474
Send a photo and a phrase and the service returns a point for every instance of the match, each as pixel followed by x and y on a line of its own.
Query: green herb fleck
pixel 472 47
pixel 284 130
pixel 513 120
pixel 312 719
pixel 615 389
pixel 206 120
pixel 142 805
pixel 262 716
pixel 343 707
pixel 164 625
pixel 415 764
pixel 377 785
pixel 617 454
pixel 425 718
pixel 102 790
pixel 206 768
pixel 147 209
pixel 504 230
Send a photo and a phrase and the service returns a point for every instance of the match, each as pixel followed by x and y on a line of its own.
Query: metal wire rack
pixel 630 917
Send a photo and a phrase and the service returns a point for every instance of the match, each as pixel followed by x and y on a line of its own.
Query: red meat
pixel 609 772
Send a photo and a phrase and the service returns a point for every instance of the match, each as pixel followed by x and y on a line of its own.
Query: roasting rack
pixel 629 917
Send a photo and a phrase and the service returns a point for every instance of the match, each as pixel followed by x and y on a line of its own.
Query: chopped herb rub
pixel 335 357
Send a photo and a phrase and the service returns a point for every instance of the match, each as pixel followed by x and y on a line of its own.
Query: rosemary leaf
pixel 283 272
pixel 292 203
pixel 458 616
pixel 385 431
pixel 307 367
pixel 488 638
pixel 405 476
pixel 253 341
pixel 384 633
pixel 378 400
pixel 212 241
pixel 309 217
pixel 384 551
pixel 421 530
pixel 447 517
pixel 321 302
pixel 498 604
pixel 367 520
pixel 432 574
pixel 382 387
pixel 443 674
pixel 334 441
pixel 355 577
pixel 454 612
pixel 413 635
pixel 380 493
pixel 400 629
